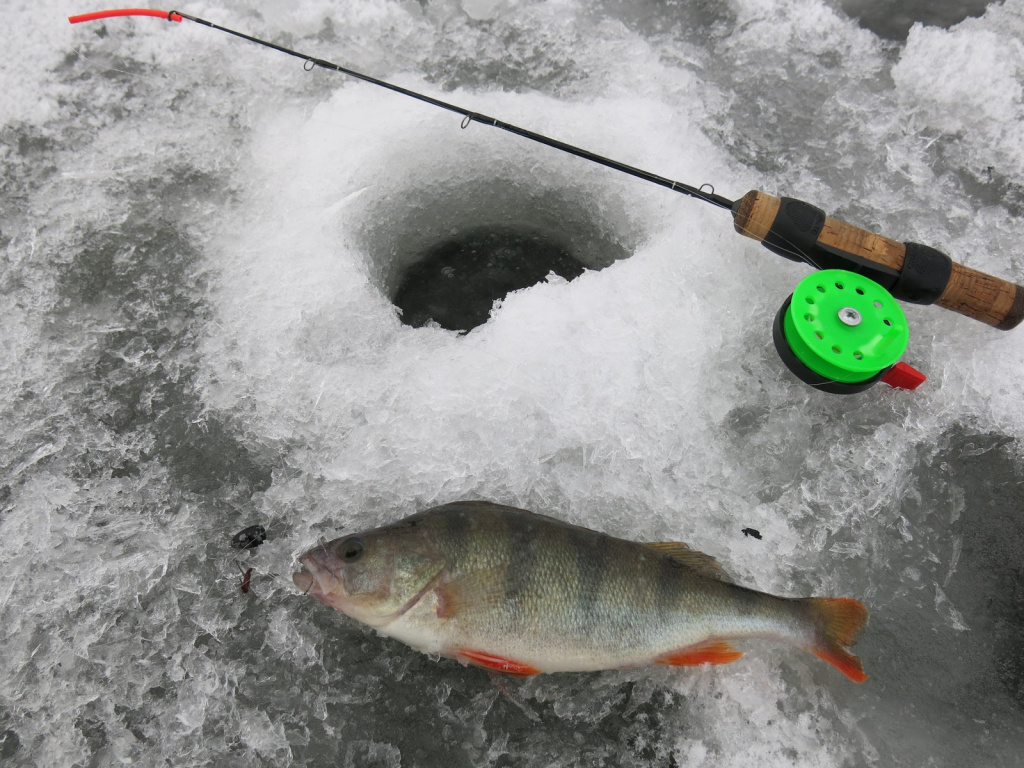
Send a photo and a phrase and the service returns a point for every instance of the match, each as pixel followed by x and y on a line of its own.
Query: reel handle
pixel 910 271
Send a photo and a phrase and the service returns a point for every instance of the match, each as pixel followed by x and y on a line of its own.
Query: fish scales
pixel 521 592
pixel 559 583
pixel 569 584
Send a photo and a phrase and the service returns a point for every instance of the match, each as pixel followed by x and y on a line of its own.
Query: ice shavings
pixel 941 71
pixel 200 243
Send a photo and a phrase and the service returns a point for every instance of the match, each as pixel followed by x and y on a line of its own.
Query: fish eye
pixel 352 549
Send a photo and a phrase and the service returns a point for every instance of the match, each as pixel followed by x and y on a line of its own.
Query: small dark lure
pixel 752 532
pixel 249 538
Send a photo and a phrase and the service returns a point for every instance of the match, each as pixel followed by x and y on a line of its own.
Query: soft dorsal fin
pixel 703 564
pixel 673 548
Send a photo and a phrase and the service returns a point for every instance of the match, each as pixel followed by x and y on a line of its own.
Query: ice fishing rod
pixel 840 342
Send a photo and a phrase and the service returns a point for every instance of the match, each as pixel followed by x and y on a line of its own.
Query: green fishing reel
pixel 842 333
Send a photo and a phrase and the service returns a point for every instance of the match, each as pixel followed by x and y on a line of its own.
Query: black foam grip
pixel 924 276
pixel 795 230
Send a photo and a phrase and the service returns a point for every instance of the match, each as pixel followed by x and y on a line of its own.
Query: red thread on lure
pixel 246 578
pixel 169 15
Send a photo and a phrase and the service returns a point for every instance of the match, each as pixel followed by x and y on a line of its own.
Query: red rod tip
pixel 170 16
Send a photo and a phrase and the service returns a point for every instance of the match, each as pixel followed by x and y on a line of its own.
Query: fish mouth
pixel 323 583
pixel 315 580
pixel 304 581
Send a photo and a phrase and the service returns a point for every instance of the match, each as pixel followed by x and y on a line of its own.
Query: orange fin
pixel 709 652
pixel 496 663
pixel 838 621
pixel 702 563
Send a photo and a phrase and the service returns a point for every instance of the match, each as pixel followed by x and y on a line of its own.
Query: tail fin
pixel 838 621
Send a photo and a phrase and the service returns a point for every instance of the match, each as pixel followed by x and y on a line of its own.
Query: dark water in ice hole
pixel 456 283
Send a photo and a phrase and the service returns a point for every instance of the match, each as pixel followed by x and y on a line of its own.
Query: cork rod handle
pixel 915 273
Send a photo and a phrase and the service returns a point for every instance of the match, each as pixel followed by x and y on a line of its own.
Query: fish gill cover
pixel 201 247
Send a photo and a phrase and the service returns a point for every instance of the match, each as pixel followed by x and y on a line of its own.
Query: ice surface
pixel 201 242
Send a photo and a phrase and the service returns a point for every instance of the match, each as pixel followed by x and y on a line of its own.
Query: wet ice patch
pixel 894 20
pixel 482 9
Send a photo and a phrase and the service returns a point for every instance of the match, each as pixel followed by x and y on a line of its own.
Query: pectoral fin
pixel 477 591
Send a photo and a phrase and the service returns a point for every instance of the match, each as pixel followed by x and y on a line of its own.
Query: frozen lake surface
pixel 201 244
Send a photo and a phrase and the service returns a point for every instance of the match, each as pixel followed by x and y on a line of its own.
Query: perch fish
pixel 523 593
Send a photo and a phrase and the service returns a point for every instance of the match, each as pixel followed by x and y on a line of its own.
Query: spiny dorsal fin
pixel 703 564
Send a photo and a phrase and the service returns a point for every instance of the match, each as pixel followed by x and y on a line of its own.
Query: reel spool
pixel 842 332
